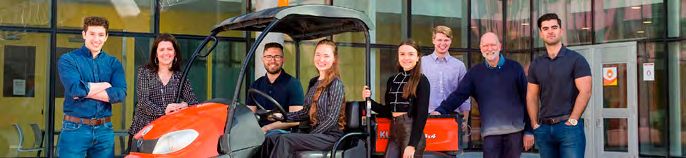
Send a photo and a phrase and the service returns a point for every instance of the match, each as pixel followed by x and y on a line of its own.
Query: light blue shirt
pixel 444 75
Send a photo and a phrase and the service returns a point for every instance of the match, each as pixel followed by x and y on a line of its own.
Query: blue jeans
pixel 561 140
pixel 276 131
pixel 81 140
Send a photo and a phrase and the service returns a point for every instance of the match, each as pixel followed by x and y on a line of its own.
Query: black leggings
pixel 284 145
pixel 399 138
pixel 130 142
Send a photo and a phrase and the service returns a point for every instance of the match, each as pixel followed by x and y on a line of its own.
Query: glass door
pixel 610 119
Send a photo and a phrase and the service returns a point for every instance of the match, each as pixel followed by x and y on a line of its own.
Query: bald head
pixel 490 46
pixel 489 37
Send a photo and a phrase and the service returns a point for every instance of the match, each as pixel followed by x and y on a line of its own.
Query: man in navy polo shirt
pixel 561 78
pixel 278 84
pixel 499 86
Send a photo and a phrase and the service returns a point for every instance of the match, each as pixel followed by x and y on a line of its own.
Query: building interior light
pixel 585 28
pixel 636 7
pixel 647 22
pixel 525 24
pixel 640 31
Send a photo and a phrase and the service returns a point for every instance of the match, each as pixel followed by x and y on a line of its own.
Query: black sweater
pixel 501 94
pixel 417 106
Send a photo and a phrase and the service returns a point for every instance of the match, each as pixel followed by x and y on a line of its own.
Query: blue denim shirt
pixel 76 69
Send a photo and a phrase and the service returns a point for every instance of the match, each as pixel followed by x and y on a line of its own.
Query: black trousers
pixel 131 143
pixel 399 138
pixel 503 146
pixel 284 145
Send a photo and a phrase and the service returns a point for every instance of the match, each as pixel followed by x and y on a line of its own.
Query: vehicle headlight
pixel 175 141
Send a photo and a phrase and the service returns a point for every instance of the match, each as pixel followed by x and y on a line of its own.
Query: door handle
pixel 597 123
pixel 586 123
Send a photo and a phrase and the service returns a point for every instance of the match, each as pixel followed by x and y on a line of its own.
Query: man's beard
pixel 492 57
pixel 275 71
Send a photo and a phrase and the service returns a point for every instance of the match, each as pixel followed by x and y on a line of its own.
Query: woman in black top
pixel 407 101
pixel 323 104
pixel 158 83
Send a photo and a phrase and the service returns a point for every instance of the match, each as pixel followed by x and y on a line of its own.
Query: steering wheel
pixel 252 92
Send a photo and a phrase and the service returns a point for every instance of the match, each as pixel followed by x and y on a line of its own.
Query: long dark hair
pixel 410 89
pixel 152 60
pixel 330 75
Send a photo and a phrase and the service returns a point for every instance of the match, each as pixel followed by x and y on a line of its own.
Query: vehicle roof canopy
pixel 301 22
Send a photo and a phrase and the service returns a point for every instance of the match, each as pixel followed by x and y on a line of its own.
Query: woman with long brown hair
pixel 323 103
pixel 407 104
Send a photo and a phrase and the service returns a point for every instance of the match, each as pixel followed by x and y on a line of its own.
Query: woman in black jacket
pixel 407 101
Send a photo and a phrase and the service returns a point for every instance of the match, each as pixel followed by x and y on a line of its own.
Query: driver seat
pixel 351 144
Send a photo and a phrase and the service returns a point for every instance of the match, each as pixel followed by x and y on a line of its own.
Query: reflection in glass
pixel 227 61
pixel 386 16
pixel 24 79
pixel 123 15
pixel 487 16
pixel 679 5
pixel 575 16
pixel 652 133
pixel 676 21
pixel 450 13
pixel 677 96
pixel 524 59
pixel 518 25
pixel 268 3
pixel 197 17
pixel 351 63
pixel 25 13
pixel 620 20
pixel 615 134
pixel 614 85
pixel 477 58
pixel 198 73
pixel 19 74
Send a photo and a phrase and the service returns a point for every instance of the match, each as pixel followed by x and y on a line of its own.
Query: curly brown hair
pixel 96 21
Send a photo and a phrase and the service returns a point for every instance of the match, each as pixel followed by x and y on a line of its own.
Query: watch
pixel 572 121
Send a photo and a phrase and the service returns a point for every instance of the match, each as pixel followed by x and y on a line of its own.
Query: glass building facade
pixel 35 33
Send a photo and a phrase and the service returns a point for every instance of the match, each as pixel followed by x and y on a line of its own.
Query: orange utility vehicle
pixel 441 131
pixel 228 128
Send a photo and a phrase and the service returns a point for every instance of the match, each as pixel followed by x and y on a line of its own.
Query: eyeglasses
pixel 275 57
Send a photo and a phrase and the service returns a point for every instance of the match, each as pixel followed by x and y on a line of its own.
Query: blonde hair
pixel 443 30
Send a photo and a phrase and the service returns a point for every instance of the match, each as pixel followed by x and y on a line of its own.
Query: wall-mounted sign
pixel 19 87
pixel 648 71
pixel 609 76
